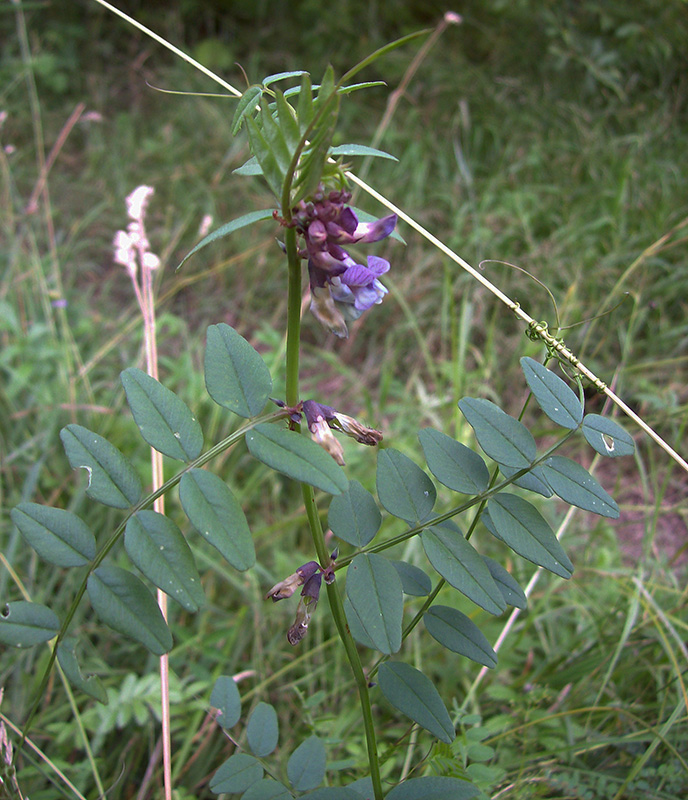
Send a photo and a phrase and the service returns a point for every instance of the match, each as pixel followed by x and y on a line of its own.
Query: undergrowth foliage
pixel 366 581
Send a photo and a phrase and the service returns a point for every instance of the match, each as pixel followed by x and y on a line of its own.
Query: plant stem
pixel 293 318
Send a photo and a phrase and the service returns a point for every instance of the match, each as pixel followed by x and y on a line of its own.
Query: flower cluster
pixel 132 246
pixel 341 289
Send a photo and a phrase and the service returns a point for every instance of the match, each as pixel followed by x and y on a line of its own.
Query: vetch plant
pixel 364 576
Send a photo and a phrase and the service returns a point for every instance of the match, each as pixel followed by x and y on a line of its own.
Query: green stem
pixel 293 318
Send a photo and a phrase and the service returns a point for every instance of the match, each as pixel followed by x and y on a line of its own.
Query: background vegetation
pixel 545 134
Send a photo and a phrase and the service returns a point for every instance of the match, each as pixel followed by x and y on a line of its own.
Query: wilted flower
pixel 289 585
pixel 341 289
pixel 321 420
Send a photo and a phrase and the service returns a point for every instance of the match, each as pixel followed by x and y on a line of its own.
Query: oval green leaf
pixel 162 417
pixel 332 793
pixel 354 516
pixel 511 592
pixel 554 397
pixel 607 437
pixel 532 481
pixel 374 591
pixel 158 548
pixel 460 634
pixel 454 464
pixel 24 624
pixel 574 484
pixel 306 765
pixel 238 773
pixel 413 580
pixel 216 514
pixel 89 684
pixel 502 437
pixel 434 788
pixel 520 525
pixel 412 693
pixel 356 626
pixel 296 456
pixel 111 478
pixel 225 698
pixel 267 789
pixel 360 150
pixel 58 536
pixel 262 730
pixel 124 604
pixel 403 488
pixel 460 565
pixel 236 377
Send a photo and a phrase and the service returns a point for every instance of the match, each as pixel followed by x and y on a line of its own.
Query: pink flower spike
pixel 137 202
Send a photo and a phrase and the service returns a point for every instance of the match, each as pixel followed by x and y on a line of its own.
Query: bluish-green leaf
pixel 374 591
pixel 275 138
pixel 226 229
pixel 413 580
pixel 89 684
pixel 112 480
pixel 249 168
pixel 503 438
pixel 236 377
pixel 461 566
pixel 262 730
pixel 607 437
pixel 359 150
pixel 124 604
pixel 554 397
pixel 217 516
pixel 225 697
pixel 533 481
pixel 403 488
pixel 433 788
pixel 460 634
pixel 162 417
pixel 520 525
pixel 280 76
pixel 333 793
pixel 58 536
pixel 354 516
pixel 574 484
pixel 304 108
pixel 260 147
pixel 356 625
pixel 267 789
pixel 288 123
pixel 306 765
pixel 158 548
pixel 296 456
pixel 511 592
pixel 24 624
pixel 238 773
pixel 452 463
pixel 246 106
pixel 412 693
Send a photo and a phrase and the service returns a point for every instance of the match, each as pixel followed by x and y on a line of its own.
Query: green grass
pixel 512 146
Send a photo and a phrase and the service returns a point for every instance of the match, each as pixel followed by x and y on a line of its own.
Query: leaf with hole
pixel 112 480
pixel 414 581
pixel 607 437
pixel 502 437
pixel 216 514
pixel 354 516
pixel 262 730
pixel 412 693
pixel 521 526
pixel 460 565
pixel 25 624
pixel 236 377
pixel 89 684
pixel 229 227
pixel 158 548
pixel 434 788
pixel 553 395
pixel 306 765
pixel 162 417
pixel 452 463
pixel 403 488
pixel 374 591
pixel 458 633
pixel 297 457
pixel 58 536
pixel 574 484
pixel 124 604
pixel 238 773
pixel 511 592
pixel 225 698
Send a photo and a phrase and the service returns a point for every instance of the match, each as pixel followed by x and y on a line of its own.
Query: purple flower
pixel 341 289
pixel 322 420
